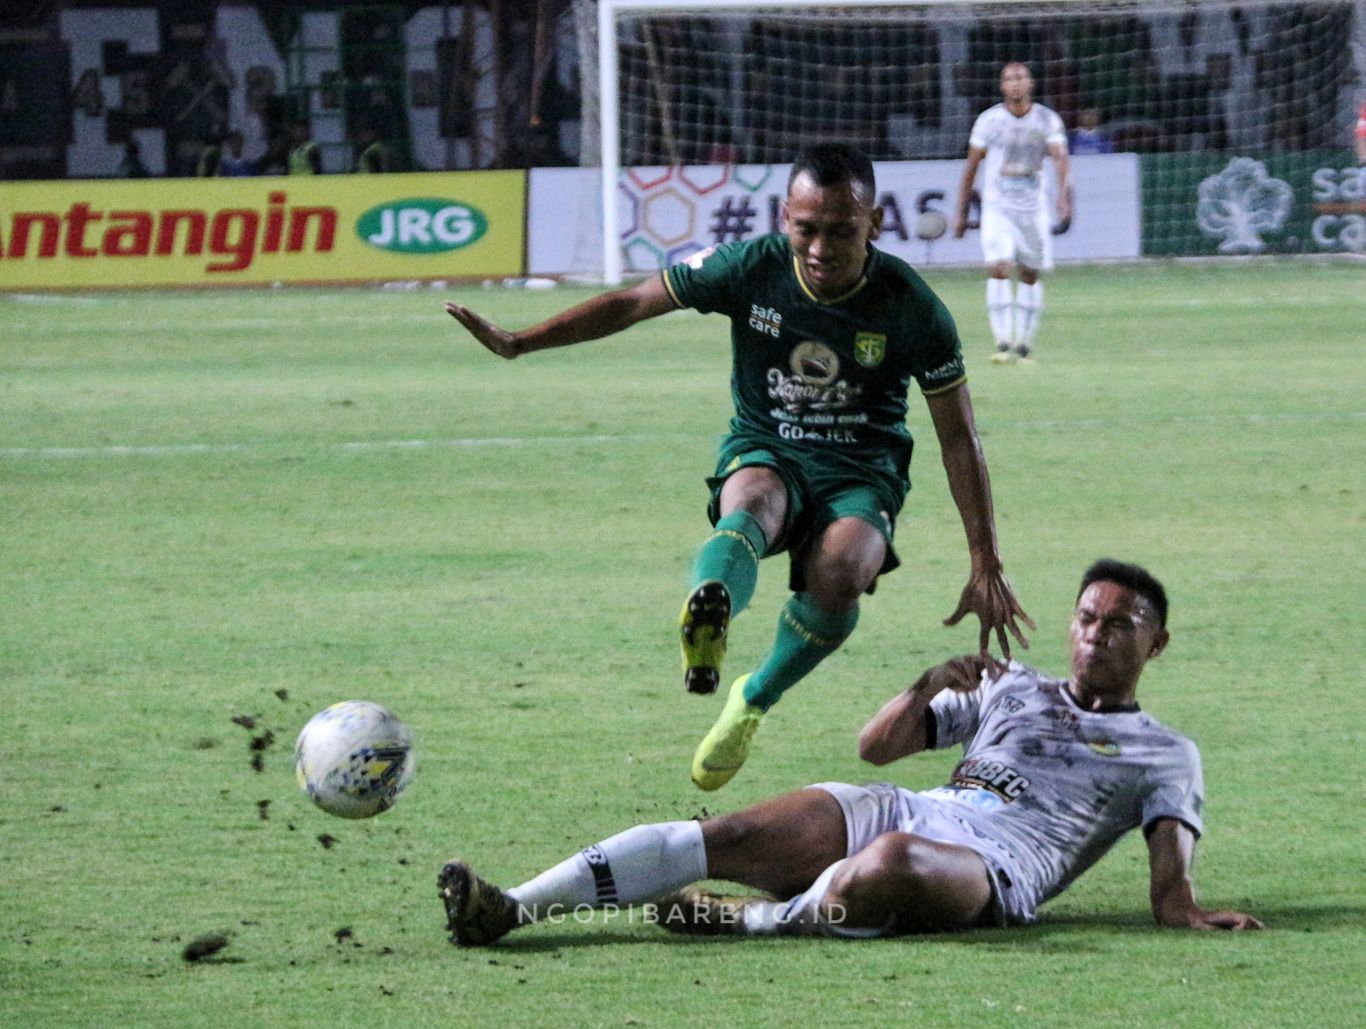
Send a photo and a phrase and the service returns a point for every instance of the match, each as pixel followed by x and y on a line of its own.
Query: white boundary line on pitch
pixel 370 446
pixel 359 446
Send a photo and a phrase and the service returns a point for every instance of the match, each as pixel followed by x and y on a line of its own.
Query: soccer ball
pixel 354 759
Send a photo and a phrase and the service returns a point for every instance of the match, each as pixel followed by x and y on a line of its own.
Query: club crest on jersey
pixel 1105 748
pixel 814 363
pixel 870 348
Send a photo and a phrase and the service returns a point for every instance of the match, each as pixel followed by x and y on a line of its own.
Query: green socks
pixel 806 636
pixel 731 556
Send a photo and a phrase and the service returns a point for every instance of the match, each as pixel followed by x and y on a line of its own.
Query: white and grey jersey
pixel 1055 784
pixel 1016 147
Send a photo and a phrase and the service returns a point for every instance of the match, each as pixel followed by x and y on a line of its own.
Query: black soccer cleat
pixel 477 912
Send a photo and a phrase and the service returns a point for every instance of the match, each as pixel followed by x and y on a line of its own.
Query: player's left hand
pixel 989 596
pixel 1064 221
pixel 1234 921
pixel 499 341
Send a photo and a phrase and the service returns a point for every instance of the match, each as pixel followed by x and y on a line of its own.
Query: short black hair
pixel 833 164
pixel 1131 577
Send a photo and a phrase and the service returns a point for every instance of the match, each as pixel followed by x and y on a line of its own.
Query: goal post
pixel 1183 86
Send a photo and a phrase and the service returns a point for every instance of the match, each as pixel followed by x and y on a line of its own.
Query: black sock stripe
pixel 598 864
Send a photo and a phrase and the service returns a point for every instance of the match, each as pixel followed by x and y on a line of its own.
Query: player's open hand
pixel 989 596
pixel 963 674
pixel 500 341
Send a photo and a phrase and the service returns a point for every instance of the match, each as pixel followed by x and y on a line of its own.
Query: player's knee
pixel 837 584
pixel 731 833
pixel 876 881
pixel 846 562
pixel 895 864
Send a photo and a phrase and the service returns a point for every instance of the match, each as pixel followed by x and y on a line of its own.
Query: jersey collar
pixel 851 291
pixel 1110 709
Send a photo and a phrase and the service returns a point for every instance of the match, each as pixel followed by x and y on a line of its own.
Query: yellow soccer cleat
pixel 702 628
pixel 694 911
pixel 724 749
pixel 1003 354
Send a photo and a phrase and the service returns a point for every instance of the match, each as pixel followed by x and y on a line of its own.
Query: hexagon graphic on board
pixel 641 255
pixel 630 215
pixel 702 179
pixel 646 179
pixel 753 178
pixel 668 216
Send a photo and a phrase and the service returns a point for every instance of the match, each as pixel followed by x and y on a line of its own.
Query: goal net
pixel 1183 89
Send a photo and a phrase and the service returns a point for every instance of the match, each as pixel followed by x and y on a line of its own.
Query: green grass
pixel 210 510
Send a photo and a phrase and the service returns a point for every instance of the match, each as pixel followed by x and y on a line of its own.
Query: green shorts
pixel 819 492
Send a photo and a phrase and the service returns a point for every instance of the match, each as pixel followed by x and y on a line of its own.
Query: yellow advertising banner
pixel 252 231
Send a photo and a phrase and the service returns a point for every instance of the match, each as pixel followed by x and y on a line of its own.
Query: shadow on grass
pixel 1076 931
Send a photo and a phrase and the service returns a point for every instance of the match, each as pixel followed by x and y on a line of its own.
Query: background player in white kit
pixel 1053 773
pixel 1014 137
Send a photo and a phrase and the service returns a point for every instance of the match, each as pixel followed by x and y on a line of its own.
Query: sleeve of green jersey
pixel 941 367
pixel 704 281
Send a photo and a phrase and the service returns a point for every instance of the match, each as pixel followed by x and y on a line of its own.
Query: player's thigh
pixel 1034 246
pixel 850 544
pixel 998 236
pixel 779 845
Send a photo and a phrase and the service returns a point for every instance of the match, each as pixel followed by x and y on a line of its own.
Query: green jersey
pixel 823 377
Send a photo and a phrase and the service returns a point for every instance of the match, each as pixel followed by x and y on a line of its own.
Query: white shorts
pixel 1021 237
pixel 881 807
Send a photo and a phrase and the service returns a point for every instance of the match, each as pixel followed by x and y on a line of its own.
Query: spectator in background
pixel 232 163
pixel 304 157
pixel 1361 136
pixel 130 165
pixel 225 159
pixel 373 155
pixel 1088 137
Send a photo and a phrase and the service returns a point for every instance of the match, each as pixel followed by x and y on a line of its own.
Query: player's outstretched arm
pixel 601 316
pixel 1171 849
pixel 898 730
pixel 988 593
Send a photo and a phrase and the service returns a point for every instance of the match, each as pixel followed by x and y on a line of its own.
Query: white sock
pixel 1028 312
pixel 637 865
pixel 999 312
pixel 802 915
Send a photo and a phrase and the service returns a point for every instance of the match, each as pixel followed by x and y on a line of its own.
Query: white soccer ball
pixel 354 759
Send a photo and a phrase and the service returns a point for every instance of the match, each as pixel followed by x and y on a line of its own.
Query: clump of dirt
pixel 205 946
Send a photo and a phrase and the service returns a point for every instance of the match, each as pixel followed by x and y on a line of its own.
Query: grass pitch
pixel 224 511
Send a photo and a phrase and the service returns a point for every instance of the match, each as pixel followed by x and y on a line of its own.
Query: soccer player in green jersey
pixel 828 333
